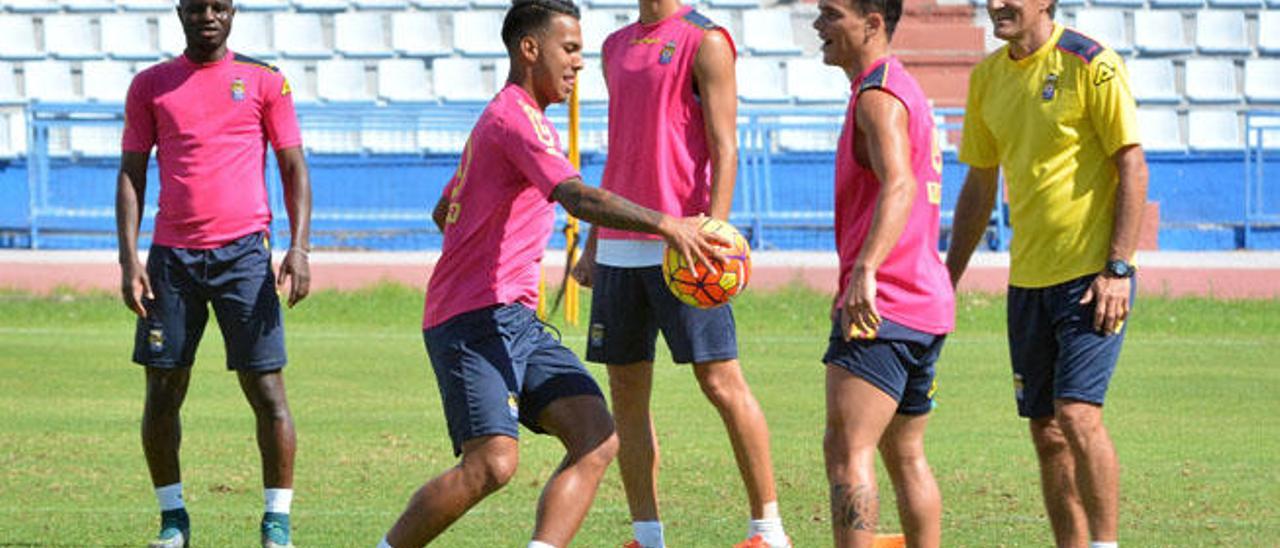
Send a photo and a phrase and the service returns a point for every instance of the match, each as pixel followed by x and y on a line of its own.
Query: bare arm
pixel 882 122
pixel 714 73
pixel 131 192
pixel 973 212
pixel 297 197
pixel 1112 294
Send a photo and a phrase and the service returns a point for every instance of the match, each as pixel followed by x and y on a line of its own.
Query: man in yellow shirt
pixel 1053 109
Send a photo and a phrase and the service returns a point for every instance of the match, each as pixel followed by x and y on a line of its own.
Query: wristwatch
pixel 1118 268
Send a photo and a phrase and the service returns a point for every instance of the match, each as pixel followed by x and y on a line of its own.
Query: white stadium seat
pixel 169 36
pixel 321 5
pixel 739 4
pixel 96 141
pixel 1213 130
pixel 32 6
pixel 815 134
pixel 128 36
pixel 1221 31
pixel 49 81
pixel 381 4
pixel 8 85
pixel 300 86
pixel 251 35
pixel 70 37
pixel 1236 3
pixel 768 31
pixel 360 34
pixel 611 3
pixel 591 85
pixel 1153 81
pixel 1269 32
pixel 1160 129
pixel 404 81
pixel 148 5
pixel 262 5
pixel 439 4
pixel 19 34
pixel 810 81
pixel 342 81
pixel 475 33
pixel 299 35
pixel 459 80
pixel 491 4
pixel 418 34
pixel 88 5
pixel 1211 81
pixel 1176 4
pixel 725 19
pixel 761 80
pixel 1159 32
pixel 596 26
pixel 1106 26
pixel 1262 80
pixel 106 81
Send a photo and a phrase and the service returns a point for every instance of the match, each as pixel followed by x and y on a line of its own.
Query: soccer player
pixel 210 113
pixel 895 305
pixel 495 364
pixel 1053 109
pixel 672 147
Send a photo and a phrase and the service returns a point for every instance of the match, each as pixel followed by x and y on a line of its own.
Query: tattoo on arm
pixel 854 507
pixel 605 208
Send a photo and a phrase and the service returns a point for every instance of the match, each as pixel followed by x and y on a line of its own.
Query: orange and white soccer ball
pixel 705 289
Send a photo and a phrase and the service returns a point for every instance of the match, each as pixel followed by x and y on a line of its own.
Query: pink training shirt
pixel 500 210
pixel 913 287
pixel 210 125
pixel 658 154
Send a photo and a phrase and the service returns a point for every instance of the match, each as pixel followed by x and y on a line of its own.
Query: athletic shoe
pixel 275 530
pixel 175 530
pixel 757 541
pixel 633 544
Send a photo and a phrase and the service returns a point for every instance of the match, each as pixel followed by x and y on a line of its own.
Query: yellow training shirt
pixel 1053 121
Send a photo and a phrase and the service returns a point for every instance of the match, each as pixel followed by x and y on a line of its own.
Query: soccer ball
pixel 700 287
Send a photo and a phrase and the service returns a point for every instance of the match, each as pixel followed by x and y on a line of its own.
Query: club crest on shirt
pixel 155 340
pixel 668 51
pixel 1050 87
pixel 237 90
pixel 513 405
pixel 597 334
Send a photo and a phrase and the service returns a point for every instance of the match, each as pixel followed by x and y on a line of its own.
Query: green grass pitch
pixel 1192 410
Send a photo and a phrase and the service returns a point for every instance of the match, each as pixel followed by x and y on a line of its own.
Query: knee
pixel 602 453
pixel 1049 439
pixel 489 471
pixel 723 386
pixel 1079 421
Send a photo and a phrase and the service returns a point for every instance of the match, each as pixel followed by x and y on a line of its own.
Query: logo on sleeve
pixel 513 406
pixel 284 88
pixel 668 52
pixel 1104 73
pixel 237 90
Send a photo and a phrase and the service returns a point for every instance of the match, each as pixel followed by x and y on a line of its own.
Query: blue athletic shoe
pixel 275 530
pixel 175 530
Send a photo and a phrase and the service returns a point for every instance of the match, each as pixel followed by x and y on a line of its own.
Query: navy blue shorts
pixel 899 361
pixel 630 305
pixel 1055 352
pixel 497 366
pixel 237 280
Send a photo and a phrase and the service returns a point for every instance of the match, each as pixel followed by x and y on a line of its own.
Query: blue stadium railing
pixel 1262 130
pixel 378 170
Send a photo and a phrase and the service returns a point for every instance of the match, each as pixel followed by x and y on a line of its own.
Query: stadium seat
pixel 1153 81
pixel 106 81
pixel 611 3
pixel 596 26
pixel 299 35
pixel 49 81
pixel 380 4
pixel 342 81
pixel 96 141
pixel 1213 130
pixel 768 31
pixel 8 85
pixel 459 80
pixel 418 34
pixel 251 35
pixel 1221 31
pixel 439 4
pixel 295 72
pixel 1157 32
pixel 1269 32
pixel 262 5
pixel 760 80
pixel 1160 129
pixel 148 5
pixel 1211 80
pixel 474 33
pixel 810 81
pixel 385 136
pixel 321 5
pixel 10 130
pixel 404 81
pixel 591 85
pixel 1119 3
pixel 86 6
pixel 491 4
pixel 128 36
pixel 32 6
pixel 1106 26
pixel 170 37
pixel 70 37
pixel 1262 80
pixel 809 134
pixel 725 19
pixel 1176 4
pixel 19 34
pixel 734 4
pixel 1236 3
pixel 357 34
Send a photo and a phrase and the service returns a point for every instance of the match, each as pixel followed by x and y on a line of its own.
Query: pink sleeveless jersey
pixel 913 286
pixel 658 153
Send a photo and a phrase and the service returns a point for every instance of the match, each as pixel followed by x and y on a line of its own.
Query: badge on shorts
pixel 668 51
pixel 1017 386
pixel 155 340
pixel 596 338
pixel 513 405
pixel 1050 87
pixel 237 90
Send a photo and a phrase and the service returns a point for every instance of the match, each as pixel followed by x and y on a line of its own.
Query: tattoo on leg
pixel 854 507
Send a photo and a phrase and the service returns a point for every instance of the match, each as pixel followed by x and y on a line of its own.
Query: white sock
pixel 1096 544
pixel 383 543
pixel 770 530
pixel 540 544
pixel 170 497
pixel 649 534
pixel 278 500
